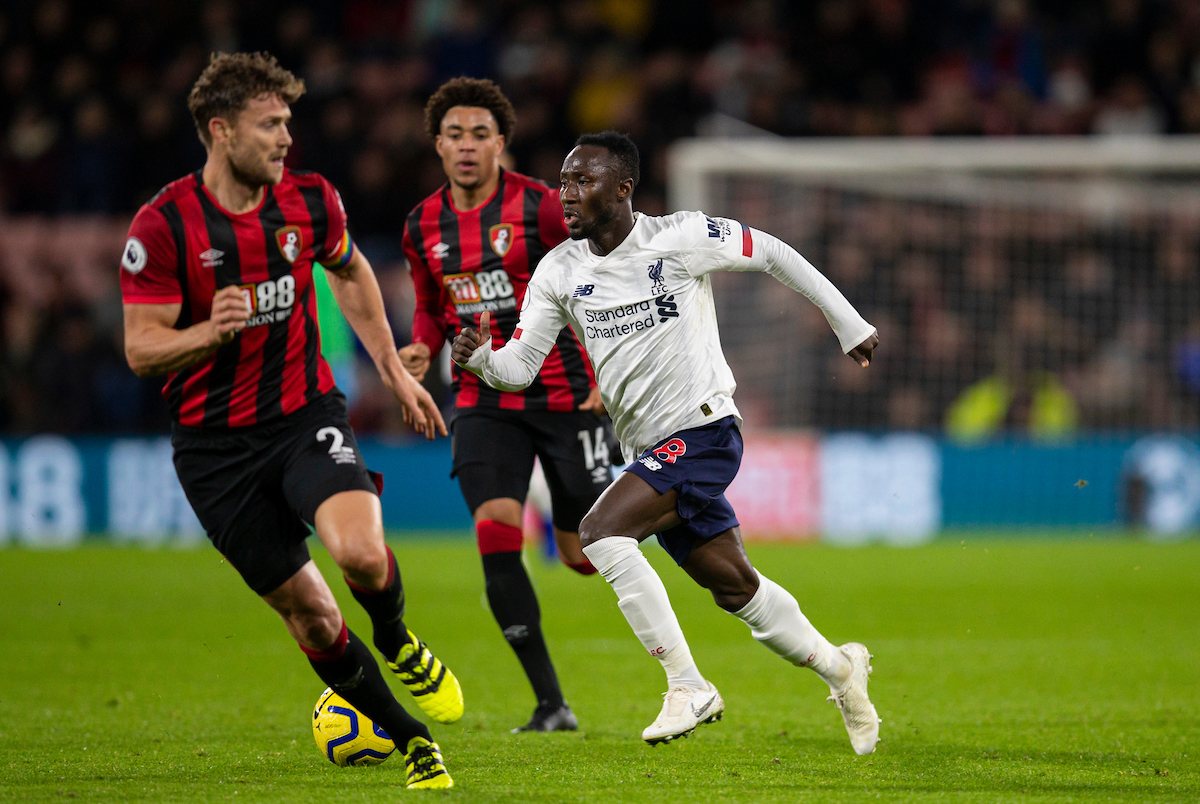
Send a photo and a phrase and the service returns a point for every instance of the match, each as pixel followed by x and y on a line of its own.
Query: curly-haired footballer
pixel 473 246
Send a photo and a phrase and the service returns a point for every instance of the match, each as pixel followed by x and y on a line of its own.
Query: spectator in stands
pixel 91 95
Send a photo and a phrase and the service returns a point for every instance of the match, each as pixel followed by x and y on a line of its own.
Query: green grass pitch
pixel 1007 671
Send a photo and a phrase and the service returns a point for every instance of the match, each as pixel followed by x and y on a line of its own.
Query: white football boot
pixel 862 722
pixel 684 708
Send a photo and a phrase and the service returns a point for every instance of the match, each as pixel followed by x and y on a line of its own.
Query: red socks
pixel 496 537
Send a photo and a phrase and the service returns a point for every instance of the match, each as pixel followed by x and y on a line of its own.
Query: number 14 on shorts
pixel 595 455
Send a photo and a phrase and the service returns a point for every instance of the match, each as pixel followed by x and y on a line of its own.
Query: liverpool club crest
pixel 501 238
pixel 288 240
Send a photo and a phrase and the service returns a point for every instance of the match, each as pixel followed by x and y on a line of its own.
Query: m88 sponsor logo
pixel 486 290
pixel 271 300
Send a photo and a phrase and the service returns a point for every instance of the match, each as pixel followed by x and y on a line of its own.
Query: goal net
pixel 1040 287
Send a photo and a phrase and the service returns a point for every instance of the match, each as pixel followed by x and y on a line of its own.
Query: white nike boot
pixel 858 713
pixel 684 708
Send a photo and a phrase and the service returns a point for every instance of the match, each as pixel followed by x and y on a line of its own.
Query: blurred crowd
pixel 994 317
pixel 93 122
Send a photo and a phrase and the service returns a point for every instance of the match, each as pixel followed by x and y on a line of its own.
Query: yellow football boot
pixel 426 770
pixel 431 683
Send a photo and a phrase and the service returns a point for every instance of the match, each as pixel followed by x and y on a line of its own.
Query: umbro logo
pixel 583 290
pixel 440 250
pixel 212 258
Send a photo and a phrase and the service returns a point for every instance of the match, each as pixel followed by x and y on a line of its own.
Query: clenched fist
pixel 469 340
pixel 230 312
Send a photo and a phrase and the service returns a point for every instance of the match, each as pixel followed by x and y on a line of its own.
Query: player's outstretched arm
pixel 510 368
pixel 857 337
pixel 154 346
pixel 357 293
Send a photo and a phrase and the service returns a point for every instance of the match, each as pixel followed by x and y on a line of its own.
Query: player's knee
pixel 365 562
pixel 591 530
pixel 317 629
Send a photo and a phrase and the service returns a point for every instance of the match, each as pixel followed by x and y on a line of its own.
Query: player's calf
pixel 514 604
pixel 385 607
pixel 571 553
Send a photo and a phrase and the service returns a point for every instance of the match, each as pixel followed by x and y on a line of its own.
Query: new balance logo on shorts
pixel 650 463
pixel 583 290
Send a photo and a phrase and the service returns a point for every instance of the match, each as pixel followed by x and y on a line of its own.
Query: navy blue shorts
pixel 699 464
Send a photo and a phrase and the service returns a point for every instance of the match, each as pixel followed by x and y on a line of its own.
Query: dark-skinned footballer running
pixel 473 246
pixel 217 282
pixel 636 288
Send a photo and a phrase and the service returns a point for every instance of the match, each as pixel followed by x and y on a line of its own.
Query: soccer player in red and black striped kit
pixel 472 247
pixel 217 282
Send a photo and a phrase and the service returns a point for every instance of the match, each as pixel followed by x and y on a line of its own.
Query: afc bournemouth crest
pixel 288 240
pixel 501 238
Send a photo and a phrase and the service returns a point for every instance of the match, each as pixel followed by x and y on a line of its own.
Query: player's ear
pixel 625 190
pixel 219 130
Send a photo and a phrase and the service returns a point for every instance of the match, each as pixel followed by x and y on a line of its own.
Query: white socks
pixel 775 620
pixel 773 615
pixel 643 600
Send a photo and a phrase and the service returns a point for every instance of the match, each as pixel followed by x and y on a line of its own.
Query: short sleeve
pixel 150 261
pixel 338 248
pixel 715 244
pixel 542 318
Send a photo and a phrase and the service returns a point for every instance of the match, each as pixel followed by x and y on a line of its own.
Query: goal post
pixel 1038 291
pixel 691 162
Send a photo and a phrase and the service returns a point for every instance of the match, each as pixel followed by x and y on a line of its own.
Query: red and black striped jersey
pixel 466 263
pixel 183 247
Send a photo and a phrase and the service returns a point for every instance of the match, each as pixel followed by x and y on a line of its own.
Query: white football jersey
pixel 646 317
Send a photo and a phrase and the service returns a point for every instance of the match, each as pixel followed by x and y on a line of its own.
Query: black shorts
pixel 494 452
pixel 256 490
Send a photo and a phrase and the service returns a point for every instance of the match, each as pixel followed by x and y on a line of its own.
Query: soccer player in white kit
pixel 636 289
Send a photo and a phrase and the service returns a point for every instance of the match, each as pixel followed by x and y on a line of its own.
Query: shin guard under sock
pixel 349 669
pixel 514 605
pixel 386 610
pixel 643 600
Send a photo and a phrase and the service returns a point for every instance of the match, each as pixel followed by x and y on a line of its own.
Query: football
pixel 345 735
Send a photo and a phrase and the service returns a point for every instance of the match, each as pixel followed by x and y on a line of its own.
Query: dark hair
pixel 620 146
pixel 231 80
pixel 477 92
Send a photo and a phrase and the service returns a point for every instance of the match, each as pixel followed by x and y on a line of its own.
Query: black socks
pixel 386 610
pixel 350 670
pixel 515 607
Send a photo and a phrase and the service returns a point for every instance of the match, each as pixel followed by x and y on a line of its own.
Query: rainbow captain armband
pixel 341 253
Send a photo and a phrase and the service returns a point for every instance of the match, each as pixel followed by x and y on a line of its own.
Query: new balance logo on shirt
pixel 583 290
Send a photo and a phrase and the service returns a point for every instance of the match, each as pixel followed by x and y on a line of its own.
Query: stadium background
pixel 1092 326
